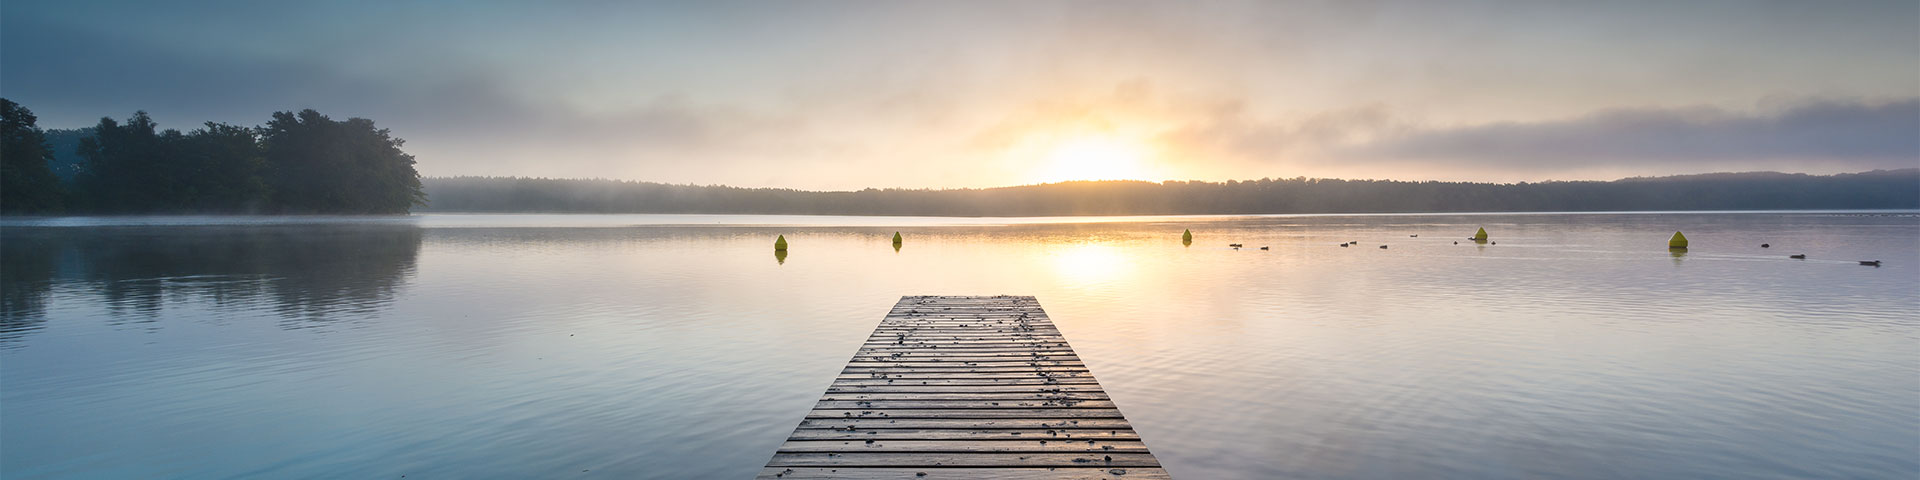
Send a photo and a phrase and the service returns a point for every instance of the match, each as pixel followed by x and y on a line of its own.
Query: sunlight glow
pixel 1096 157
pixel 1089 265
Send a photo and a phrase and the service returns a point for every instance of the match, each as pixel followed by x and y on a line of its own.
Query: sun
pixel 1096 157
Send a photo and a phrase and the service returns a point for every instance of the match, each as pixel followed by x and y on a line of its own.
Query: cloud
pixel 804 96
pixel 1861 134
pixel 1225 127
pixel 1379 141
pixel 463 119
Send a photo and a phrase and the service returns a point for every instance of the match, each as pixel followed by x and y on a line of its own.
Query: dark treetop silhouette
pixel 26 184
pixel 297 163
pixel 1724 191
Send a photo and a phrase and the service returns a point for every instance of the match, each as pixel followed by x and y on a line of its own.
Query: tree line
pixel 305 162
pixel 297 163
pixel 1880 189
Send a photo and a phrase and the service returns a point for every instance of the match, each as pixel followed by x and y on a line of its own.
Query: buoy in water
pixel 1187 238
pixel 1678 241
pixel 1481 235
pixel 896 238
pixel 780 244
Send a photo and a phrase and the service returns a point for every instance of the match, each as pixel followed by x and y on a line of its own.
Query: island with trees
pixel 297 163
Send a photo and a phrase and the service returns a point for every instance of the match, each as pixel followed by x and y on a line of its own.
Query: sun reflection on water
pixel 1090 264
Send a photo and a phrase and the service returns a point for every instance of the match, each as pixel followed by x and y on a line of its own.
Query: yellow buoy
pixel 1187 238
pixel 1678 241
pixel 780 244
pixel 1480 235
pixel 896 238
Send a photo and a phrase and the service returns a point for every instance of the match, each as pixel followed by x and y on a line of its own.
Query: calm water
pixel 456 346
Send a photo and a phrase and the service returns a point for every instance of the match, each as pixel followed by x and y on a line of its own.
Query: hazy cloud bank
pixel 1844 134
pixel 940 95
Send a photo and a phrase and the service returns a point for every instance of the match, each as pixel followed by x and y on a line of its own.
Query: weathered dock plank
pixel 862 424
pixel 815 473
pixel 962 434
pixel 964 459
pixel 965 387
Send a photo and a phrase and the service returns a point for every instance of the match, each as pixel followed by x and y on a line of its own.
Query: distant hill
pixel 1879 189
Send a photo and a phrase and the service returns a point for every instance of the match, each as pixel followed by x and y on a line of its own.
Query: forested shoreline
pixel 306 163
pixel 297 163
pixel 1880 189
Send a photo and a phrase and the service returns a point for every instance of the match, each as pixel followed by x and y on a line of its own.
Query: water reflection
pixel 307 275
pixel 550 345
pixel 25 282
pixel 1088 264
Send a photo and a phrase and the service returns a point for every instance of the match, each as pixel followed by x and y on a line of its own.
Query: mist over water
pixel 664 346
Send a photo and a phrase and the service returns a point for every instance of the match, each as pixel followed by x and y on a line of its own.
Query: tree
pixel 1759 190
pixel 317 165
pixel 125 169
pixel 132 168
pixel 26 184
pixel 65 142
pixel 297 163
pixel 220 166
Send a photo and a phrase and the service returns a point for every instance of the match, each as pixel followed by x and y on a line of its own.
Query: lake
pixel 680 346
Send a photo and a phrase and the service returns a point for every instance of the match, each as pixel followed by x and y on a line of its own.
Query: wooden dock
pixel 965 387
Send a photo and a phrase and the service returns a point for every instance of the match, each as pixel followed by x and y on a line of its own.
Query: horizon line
pixel 1162 182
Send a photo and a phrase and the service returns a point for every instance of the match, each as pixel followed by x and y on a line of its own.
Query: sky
pixel 920 94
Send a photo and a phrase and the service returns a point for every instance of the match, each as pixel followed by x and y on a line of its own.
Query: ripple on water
pixel 1578 347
